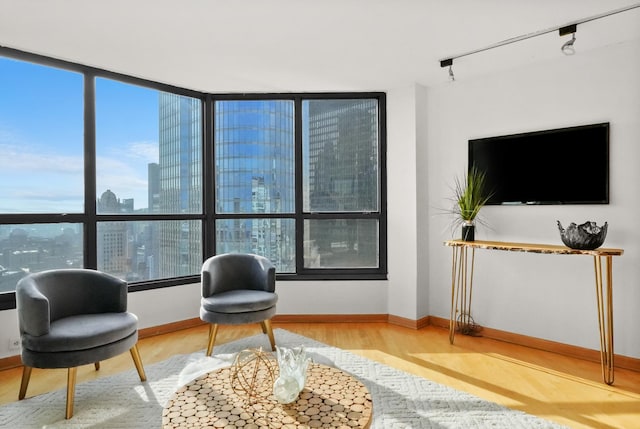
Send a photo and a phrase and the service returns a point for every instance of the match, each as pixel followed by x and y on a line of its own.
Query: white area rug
pixel 400 400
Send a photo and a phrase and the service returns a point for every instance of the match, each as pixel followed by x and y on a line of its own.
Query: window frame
pixel 90 218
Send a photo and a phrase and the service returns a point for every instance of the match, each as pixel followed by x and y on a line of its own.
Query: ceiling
pixel 304 45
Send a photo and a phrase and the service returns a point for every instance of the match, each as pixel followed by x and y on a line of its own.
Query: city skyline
pixel 148 158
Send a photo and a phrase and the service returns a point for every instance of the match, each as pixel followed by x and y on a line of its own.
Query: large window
pixel 148 162
pixel 41 170
pixel 41 139
pixel 255 176
pixel 341 183
pixel 145 181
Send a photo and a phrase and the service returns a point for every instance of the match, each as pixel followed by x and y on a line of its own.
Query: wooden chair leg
pixel 71 390
pixel 26 376
pixel 97 365
pixel 213 331
pixel 138 362
pixel 267 329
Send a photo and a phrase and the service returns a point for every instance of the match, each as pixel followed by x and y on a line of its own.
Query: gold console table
pixel 462 287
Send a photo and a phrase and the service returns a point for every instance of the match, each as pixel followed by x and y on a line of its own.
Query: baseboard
pixel 352 318
pixel 170 327
pixel 546 345
pixel 620 361
pixel 409 323
pixel 10 362
pixel 330 318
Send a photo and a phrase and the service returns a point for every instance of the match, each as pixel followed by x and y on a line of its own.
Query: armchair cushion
pixel 83 332
pixel 239 301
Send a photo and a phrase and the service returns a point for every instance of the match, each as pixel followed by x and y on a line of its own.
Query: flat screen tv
pixel 559 166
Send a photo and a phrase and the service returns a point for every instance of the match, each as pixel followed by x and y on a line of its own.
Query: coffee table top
pixel 331 398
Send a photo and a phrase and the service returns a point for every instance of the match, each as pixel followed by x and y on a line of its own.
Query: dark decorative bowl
pixel 587 236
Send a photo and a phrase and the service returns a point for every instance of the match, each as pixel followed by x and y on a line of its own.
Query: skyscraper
pixel 341 175
pixel 153 190
pixel 342 143
pixel 114 253
pixel 180 185
pixel 254 174
pixel 255 180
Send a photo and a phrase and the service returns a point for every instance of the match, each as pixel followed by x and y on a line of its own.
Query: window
pixel 144 181
pixel 336 210
pixel 148 162
pixel 28 248
pixel 341 183
pixel 41 171
pixel 41 139
pixel 255 176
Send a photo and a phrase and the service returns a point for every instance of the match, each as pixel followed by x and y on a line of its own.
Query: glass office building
pixel 179 172
pixel 341 175
pixel 254 177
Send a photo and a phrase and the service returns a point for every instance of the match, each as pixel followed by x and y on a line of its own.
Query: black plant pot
pixel 468 232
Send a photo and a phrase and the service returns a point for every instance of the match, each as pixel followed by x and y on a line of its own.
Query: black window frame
pixel 90 218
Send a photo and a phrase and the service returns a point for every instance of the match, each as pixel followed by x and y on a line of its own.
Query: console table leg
pixel 461 292
pixel 452 316
pixel 456 266
pixel 604 295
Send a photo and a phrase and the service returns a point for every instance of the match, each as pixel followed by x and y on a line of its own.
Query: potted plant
pixel 470 195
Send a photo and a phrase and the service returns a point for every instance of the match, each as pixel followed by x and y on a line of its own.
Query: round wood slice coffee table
pixel 331 399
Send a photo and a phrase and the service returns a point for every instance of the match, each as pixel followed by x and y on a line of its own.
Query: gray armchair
pixel 238 288
pixel 73 317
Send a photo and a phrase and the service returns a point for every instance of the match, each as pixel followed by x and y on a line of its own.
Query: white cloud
pixel 123 178
pixel 18 159
pixel 30 173
pixel 146 151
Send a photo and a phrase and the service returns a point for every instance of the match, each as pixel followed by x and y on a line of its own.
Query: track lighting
pixel 567 48
pixel 449 62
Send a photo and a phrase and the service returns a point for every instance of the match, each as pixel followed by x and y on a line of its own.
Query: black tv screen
pixel 559 166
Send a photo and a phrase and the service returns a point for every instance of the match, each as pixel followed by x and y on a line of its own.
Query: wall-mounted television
pixel 558 166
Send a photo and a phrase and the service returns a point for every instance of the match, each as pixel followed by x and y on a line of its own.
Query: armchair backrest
pixel 54 294
pixel 232 271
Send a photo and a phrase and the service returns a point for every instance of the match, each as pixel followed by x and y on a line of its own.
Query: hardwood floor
pixel 562 389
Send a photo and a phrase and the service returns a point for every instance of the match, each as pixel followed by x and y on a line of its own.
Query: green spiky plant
pixel 470 195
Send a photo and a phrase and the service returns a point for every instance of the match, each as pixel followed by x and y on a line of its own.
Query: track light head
pixel 567 48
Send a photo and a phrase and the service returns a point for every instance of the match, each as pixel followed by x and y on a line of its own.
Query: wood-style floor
pixel 562 389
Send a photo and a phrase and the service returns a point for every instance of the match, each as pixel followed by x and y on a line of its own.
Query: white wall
pixel 422 198
pixel 401 202
pixel 545 296
pixel 161 306
pixel 313 297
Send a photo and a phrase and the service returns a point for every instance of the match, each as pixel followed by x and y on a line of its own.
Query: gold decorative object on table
pixel 252 375
pixel 331 398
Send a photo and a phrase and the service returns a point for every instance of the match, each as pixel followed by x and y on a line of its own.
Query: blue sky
pixel 41 138
pixel 126 138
